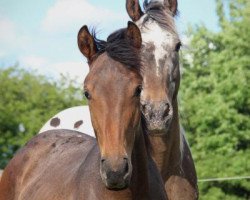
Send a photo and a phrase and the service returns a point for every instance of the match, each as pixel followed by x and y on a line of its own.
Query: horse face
pixel 114 104
pixel 161 76
pixel 113 93
pixel 160 58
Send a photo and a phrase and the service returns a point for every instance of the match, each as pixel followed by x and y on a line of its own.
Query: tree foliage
pixel 27 101
pixel 215 101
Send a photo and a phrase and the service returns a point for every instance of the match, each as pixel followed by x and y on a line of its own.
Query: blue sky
pixel 41 34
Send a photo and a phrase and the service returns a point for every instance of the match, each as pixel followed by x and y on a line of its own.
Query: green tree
pixel 215 101
pixel 27 101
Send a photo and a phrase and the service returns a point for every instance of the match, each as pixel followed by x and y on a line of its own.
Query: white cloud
pixel 11 39
pixel 76 70
pixel 8 37
pixel 7 32
pixel 2 53
pixel 68 15
pixel 32 61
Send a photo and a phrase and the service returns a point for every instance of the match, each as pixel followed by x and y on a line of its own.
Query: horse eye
pixel 87 95
pixel 138 91
pixel 178 46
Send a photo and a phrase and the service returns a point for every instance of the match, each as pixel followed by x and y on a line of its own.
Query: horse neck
pixel 166 149
pixel 140 176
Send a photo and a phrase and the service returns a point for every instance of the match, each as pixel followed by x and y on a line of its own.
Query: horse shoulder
pixel 183 185
pixel 178 187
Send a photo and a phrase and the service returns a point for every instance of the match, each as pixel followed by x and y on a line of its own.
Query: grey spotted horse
pixel 76 118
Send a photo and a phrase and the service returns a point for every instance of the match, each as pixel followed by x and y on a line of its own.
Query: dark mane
pixel 119 48
pixel 156 11
pixel 146 135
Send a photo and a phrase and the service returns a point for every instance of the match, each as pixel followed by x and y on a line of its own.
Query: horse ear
pixel 86 43
pixel 133 34
pixel 172 5
pixel 134 9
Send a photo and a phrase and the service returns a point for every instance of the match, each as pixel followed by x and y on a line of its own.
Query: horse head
pixel 160 60
pixel 113 88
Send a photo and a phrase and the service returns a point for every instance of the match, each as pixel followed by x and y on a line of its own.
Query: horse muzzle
pixel 158 116
pixel 116 173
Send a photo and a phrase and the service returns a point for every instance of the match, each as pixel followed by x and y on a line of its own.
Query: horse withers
pixel 64 164
pixel 161 80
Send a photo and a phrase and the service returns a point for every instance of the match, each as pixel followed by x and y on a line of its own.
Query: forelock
pixel 120 49
pixel 155 10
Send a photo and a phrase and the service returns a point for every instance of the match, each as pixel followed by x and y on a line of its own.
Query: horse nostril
pixel 102 160
pixel 143 106
pixel 126 168
pixel 165 114
pixel 151 115
pixel 166 110
pixel 167 105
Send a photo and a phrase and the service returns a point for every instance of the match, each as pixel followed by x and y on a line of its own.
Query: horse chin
pixel 157 132
pixel 158 129
pixel 116 186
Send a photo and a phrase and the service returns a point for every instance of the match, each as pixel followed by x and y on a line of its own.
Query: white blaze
pixel 153 33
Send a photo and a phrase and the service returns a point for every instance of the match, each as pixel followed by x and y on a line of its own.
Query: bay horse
pixel 161 80
pixel 63 164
